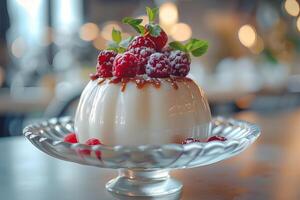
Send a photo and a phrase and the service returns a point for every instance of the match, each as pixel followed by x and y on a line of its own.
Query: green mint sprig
pixel 151 28
pixel 194 46
pixel 152 14
pixel 117 44
pixel 135 23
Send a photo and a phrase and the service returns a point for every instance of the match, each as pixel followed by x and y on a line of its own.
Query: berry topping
pixel 105 63
pixel 146 53
pixel 125 65
pixel 104 71
pixel 216 138
pixel 166 51
pixel 158 66
pixel 180 63
pixel 157 35
pixel 106 57
pixel 92 141
pixel 71 138
pixel 141 41
pixel 142 54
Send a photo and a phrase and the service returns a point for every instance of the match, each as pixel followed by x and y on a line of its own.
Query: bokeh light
pixel 292 7
pixel 298 24
pixel 181 32
pixel 107 29
pixel 18 47
pixel 247 35
pixel 88 31
pixel 168 13
pixel 99 43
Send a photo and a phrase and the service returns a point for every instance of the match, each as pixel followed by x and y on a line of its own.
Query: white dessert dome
pixel 142 110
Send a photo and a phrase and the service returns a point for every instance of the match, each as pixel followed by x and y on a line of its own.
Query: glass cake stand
pixel 143 170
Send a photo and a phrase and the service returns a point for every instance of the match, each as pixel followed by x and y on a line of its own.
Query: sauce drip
pixel 94 76
pixel 141 81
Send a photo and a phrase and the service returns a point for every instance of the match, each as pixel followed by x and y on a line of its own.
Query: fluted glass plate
pixel 144 169
pixel 48 137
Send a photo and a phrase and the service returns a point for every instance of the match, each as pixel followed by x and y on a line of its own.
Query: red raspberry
pixel 106 57
pixel 180 63
pixel 160 40
pixel 142 54
pixel 158 66
pixel 216 138
pixel 104 70
pixel 91 142
pixel 166 51
pixel 125 65
pixel 141 41
pixel 105 63
pixel 71 138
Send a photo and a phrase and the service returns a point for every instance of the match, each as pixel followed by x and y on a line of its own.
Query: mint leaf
pixel 152 13
pixel 140 29
pixel 116 36
pixel 113 48
pixel 121 50
pixel 131 21
pixel 177 46
pixel 154 29
pixel 135 23
pixel 197 47
pixel 126 42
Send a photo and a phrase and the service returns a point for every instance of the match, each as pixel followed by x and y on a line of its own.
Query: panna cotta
pixel 142 111
pixel 140 93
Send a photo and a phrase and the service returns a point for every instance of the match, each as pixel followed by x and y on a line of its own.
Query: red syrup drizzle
pixel 173 83
pixel 142 81
pixel 101 81
pixel 94 76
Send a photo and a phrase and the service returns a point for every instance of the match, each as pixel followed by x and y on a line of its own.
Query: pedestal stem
pixel 147 183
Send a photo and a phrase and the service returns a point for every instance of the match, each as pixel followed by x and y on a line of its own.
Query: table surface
pixel 269 169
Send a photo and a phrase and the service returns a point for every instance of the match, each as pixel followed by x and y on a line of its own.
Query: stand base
pixel 140 183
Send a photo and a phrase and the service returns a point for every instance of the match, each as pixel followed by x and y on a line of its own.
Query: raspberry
pixel 91 142
pixel 105 63
pixel 104 70
pixel 180 63
pixel 106 57
pixel 142 54
pixel 141 41
pixel 125 65
pixel 166 51
pixel 160 40
pixel 71 138
pixel 158 66
pixel 216 138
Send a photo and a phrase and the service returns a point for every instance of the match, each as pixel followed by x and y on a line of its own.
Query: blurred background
pixel 48 48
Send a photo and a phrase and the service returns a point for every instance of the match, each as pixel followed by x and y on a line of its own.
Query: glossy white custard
pixel 137 111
